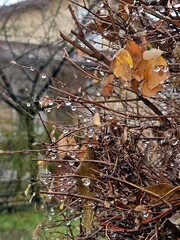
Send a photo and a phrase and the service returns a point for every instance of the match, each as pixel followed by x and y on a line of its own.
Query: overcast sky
pixel 7 2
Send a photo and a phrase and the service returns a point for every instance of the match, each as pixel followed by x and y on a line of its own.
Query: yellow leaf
pixel 121 66
pixel 61 206
pixel 123 54
pixel 96 120
pixel 40 162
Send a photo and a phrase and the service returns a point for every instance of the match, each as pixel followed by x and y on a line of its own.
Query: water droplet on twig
pixel 86 182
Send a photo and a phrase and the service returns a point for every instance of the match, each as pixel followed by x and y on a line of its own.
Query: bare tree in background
pixel 31 59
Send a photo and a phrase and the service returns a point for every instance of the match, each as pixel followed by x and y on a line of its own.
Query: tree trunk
pixel 33 164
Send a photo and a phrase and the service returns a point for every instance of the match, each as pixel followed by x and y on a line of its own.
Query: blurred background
pixel 30 37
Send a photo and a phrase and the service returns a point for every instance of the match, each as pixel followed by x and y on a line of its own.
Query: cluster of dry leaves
pixel 139 68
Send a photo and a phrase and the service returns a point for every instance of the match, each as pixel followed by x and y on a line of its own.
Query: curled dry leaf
pixel 147 92
pixel 155 77
pixel 107 86
pixel 153 53
pixel 135 52
pixel 64 145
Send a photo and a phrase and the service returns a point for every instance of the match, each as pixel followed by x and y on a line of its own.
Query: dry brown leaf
pixel 135 52
pixel 82 152
pixel 154 77
pixel 80 53
pixel 62 146
pixel 169 192
pixel 147 92
pixel 147 69
pixel 107 86
pixel 36 231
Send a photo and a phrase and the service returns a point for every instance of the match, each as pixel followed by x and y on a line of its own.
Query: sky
pixel 8 2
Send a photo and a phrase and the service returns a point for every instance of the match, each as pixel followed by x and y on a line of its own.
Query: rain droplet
pixel 50 102
pixel 86 182
pixel 174 141
pixel 86 119
pixel 52 211
pixel 161 9
pixel 68 223
pixel 73 108
pixel 47 110
pixel 76 146
pixel 165 68
pixel 93 107
pixel 53 156
pixel 90 134
pixel 32 69
pixel 13 62
pixel 145 213
pixel 114 235
pixel 43 75
pixel 107 138
pixel 28 104
pixel 124 201
pixel 140 9
pixel 157 68
pixel 68 102
pixel 71 163
pixel 72 154
pixel 65 130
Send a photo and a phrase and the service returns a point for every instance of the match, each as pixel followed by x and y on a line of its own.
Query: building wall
pixel 36 23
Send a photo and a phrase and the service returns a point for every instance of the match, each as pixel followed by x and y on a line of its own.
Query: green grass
pixel 19 225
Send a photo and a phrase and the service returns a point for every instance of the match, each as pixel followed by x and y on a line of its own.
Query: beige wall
pixel 37 24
